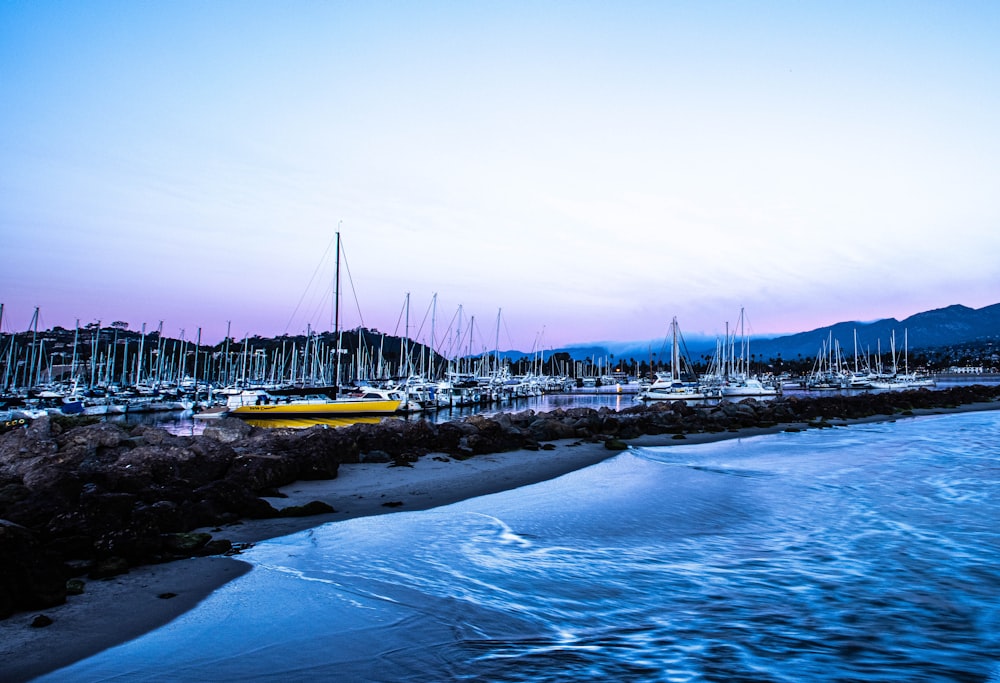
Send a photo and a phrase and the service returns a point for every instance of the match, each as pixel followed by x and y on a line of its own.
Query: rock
pixel 75 587
pixel 108 567
pixel 185 544
pixel 226 501
pixel 547 429
pixel 315 507
pixel 30 578
pixel 41 621
pixel 376 456
pixel 218 546
pixel 227 430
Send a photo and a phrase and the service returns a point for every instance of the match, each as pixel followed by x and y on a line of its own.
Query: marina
pixel 616 397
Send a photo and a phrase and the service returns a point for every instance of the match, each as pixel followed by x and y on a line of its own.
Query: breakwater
pixel 96 499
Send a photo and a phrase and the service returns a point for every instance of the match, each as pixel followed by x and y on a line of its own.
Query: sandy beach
pixel 119 609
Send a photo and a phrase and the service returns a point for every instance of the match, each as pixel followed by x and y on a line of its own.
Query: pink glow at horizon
pixel 581 176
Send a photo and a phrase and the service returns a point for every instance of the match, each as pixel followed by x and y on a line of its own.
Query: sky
pixel 556 172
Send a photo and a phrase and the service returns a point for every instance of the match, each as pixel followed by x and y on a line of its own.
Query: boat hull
pixel 671 396
pixel 319 409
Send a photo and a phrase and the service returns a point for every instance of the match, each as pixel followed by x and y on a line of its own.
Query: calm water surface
pixel 867 553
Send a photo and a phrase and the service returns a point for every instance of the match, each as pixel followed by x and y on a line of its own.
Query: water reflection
pixel 304 422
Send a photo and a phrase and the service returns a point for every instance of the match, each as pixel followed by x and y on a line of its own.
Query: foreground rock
pixel 96 499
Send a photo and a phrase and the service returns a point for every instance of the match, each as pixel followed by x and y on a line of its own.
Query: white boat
pixel 730 375
pixel 747 386
pixel 897 381
pixel 672 387
pixel 667 389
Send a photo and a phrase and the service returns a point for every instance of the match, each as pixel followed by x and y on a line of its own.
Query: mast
pixel 675 354
pixel 94 347
pixel 160 348
pixel 496 345
pixel 142 343
pixel 124 380
pixel 76 339
pixel 336 317
pixel 306 370
pixel 404 345
pixel 243 368
pixel 30 370
pixel 226 353
pixel 197 347
pixel 110 374
pixel 906 359
pixel 6 384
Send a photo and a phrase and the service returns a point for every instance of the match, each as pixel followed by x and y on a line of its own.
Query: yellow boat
pixel 262 404
pixel 315 401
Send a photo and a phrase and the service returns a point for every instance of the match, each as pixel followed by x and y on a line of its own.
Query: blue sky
pixel 589 169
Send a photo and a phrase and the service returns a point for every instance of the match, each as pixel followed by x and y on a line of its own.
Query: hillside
pixel 940 327
pixel 949 326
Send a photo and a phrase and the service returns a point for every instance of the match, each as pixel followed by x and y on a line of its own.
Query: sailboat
pixel 907 380
pixel 734 378
pixel 319 401
pixel 671 387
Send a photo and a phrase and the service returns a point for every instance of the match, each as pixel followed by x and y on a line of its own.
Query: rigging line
pixel 320 306
pixel 402 312
pixel 427 313
pixel 447 334
pixel 510 342
pixel 322 260
pixel 354 291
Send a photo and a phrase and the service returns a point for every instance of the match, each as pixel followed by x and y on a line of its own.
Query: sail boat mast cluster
pixel 729 374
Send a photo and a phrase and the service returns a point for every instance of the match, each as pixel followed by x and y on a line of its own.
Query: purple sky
pixel 588 170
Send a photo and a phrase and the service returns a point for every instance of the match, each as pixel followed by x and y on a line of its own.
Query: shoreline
pixel 116 610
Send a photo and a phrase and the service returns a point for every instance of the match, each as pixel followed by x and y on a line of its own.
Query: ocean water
pixel 866 553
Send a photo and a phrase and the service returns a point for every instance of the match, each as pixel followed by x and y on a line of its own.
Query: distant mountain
pixel 948 326
pixel 640 351
pixel 940 327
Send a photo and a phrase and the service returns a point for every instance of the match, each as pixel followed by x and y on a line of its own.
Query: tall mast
pixel 229 324
pixel 160 348
pixel 76 339
pixel 906 356
pixel 197 348
pixel 675 354
pixel 30 370
pixel 405 344
pixel 496 345
pixel 434 303
pixel 336 314
pixel 142 344
pixel 94 347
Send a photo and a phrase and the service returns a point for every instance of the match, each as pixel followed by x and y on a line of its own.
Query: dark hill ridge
pixel 952 325
pixel 940 327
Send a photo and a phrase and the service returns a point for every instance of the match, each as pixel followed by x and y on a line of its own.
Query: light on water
pixel 864 553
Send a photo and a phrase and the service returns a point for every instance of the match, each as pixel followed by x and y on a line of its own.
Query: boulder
pixel 30 578
pixel 227 430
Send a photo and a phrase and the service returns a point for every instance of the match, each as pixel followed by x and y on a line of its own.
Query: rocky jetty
pixel 96 499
